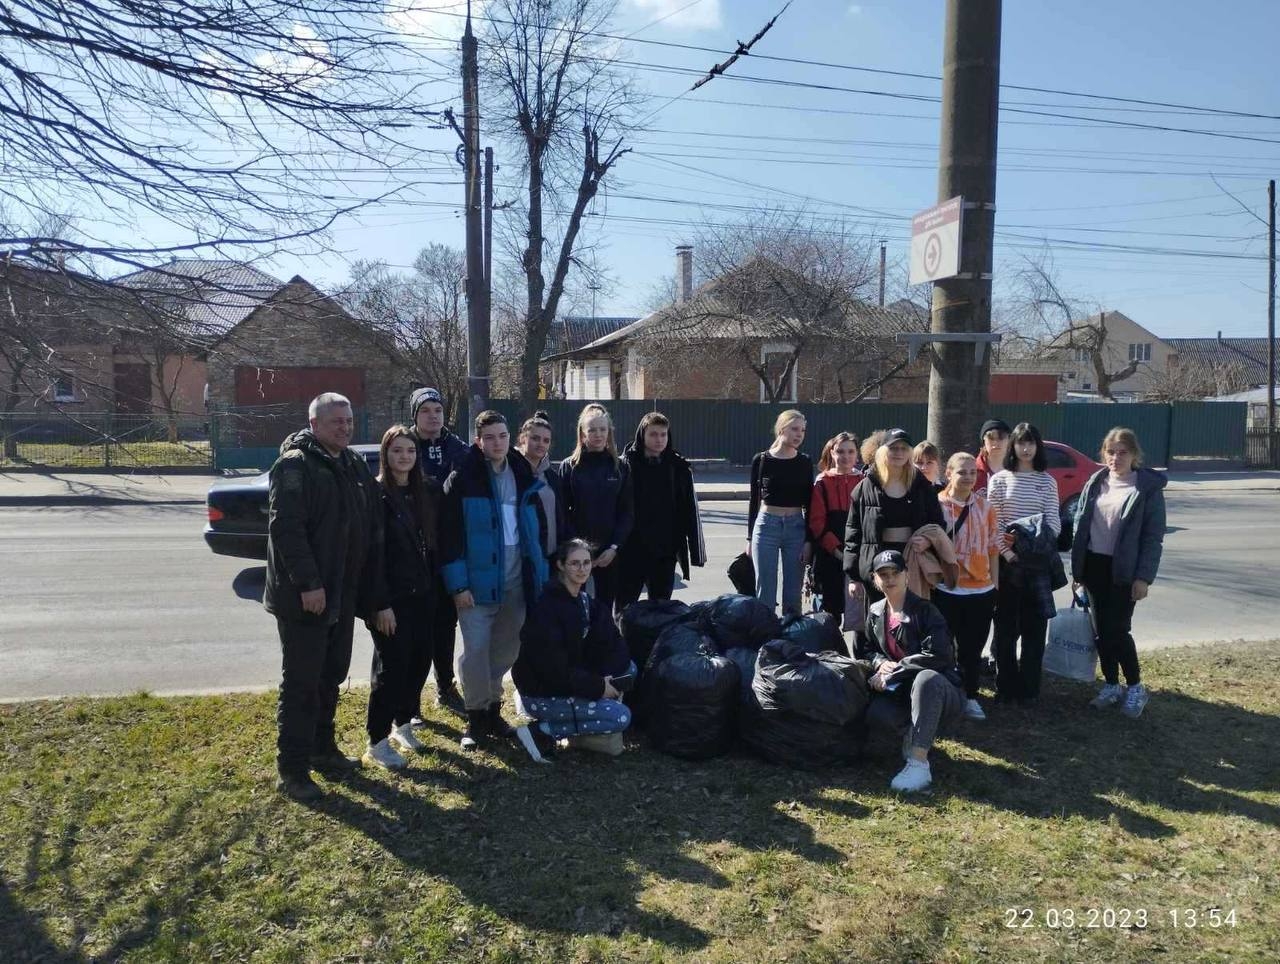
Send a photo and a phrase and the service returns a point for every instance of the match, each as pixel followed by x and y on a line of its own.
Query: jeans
pixel 968 617
pixel 935 704
pixel 315 659
pixel 777 536
pixel 400 665
pixel 565 716
pixel 1113 610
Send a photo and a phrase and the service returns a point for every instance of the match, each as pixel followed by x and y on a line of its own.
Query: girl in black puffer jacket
pixel 596 486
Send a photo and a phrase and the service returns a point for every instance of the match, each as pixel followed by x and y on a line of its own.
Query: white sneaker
pixel 1110 695
pixel 384 755
pixel 1135 701
pixel 973 710
pixel 916 775
pixel 402 737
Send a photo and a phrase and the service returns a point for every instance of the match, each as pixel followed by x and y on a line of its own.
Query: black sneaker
pixel 497 725
pixel 331 760
pixel 298 786
pixel 476 733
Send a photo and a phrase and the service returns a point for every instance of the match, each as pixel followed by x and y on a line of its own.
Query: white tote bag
pixel 1072 650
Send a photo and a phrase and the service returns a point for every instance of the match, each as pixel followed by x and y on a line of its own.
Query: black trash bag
pixel 810 708
pixel 644 621
pixel 679 637
pixel 692 705
pixel 745 659
pixel 817 633
pixel 742 621
pixel 742 574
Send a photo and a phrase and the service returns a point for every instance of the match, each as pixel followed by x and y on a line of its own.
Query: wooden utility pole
pixel 1271 325
pixel 958 381
pixel 477 315
pixel 882 255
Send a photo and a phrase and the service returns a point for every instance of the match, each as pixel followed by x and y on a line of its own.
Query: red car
pixel 1071 470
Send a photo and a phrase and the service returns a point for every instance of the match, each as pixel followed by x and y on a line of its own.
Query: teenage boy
pixel 492 532
pixel 439 453
pixel 667 527
pixel 993 443
pixel 324 550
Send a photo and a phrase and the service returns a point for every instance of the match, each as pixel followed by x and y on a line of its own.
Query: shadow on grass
pixel 1184 755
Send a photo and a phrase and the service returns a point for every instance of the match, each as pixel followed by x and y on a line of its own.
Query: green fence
pixel 104 441
pixel 735 431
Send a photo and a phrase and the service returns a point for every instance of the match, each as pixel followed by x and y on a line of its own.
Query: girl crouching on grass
pixel 570 655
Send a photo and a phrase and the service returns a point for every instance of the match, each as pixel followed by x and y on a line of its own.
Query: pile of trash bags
pixel 727 668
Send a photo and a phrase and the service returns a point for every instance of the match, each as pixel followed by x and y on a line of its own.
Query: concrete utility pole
pixel 1271 325
pixel 958 383
pixel 882 254
pixel 477 315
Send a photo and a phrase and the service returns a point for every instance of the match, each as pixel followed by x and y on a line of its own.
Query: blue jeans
pixel 774 536
pixel 564 716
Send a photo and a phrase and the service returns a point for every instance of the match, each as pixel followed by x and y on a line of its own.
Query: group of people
pixel 526 559
pixel 923 560
pixel 531 560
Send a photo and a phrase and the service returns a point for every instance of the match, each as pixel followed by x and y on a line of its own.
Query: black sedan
pixel 237 509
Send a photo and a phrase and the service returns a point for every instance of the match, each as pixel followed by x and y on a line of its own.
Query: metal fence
pixel 105 441
pixel 1259 449
pixel 735 431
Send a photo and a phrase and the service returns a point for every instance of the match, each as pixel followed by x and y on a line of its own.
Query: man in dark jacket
pixel 917 686
pixel 324 547
pixel 440 452
pixel 667 527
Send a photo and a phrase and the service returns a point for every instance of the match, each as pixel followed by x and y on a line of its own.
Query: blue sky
pixel 1064 179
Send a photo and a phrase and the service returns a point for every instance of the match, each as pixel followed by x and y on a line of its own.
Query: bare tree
pixel 1058 322
pixel 418 318
pixel 1191 380
pixel 779 290
pixel 556 94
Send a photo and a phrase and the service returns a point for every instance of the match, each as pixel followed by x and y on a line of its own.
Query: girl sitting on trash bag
pixel 573 665
pixel 917 689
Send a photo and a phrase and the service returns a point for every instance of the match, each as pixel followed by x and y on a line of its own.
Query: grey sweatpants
pixel 490 642
pixel 936 705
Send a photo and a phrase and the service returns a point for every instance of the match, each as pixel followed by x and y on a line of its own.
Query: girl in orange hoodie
pixel 828 511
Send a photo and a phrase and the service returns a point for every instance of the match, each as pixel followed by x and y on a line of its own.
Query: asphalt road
pixel 116 599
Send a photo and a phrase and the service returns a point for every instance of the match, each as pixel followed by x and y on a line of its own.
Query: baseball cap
pixel 897 435
pixel 889 559
pixel 993 425
pixel 420 397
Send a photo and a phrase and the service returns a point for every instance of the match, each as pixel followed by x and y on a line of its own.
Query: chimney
pixel 684 273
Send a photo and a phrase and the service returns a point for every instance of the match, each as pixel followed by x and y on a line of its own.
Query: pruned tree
pixel 1060 323
pixel 777 289
pixel 418 318
pixel 554 93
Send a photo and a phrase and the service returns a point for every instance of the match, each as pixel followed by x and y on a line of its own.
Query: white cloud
pixel 304 65
pixel 686 14
pixel 855 9
pixel 431 19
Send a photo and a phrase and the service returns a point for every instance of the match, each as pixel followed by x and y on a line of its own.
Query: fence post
pixel 213 440
pixel 107 429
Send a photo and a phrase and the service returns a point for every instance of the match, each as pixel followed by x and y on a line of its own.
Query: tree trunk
pixel 535 284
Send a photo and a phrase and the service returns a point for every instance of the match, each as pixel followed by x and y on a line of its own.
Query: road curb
pixel 38 501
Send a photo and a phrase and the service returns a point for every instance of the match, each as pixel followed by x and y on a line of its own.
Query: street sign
pixel 935 242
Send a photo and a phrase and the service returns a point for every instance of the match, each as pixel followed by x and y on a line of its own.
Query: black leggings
pixel 1018 615
pixel 400 664
pixel 969 619
pixel 1113 609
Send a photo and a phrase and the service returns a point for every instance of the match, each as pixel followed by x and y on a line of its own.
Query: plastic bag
pixel 679 638
pixel 816 632
pixel 692 705
pixel 644 621
pixel 742 621
pixel 744 657
pixel 742 574
pixel 810 708
pixel 1072 650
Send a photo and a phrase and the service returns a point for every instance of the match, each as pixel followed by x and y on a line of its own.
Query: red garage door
pixel 296 386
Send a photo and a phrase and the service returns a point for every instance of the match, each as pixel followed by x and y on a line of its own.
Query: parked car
pixel 1071 470
pixel 237 510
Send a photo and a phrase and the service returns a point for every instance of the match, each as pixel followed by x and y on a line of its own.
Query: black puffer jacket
pixel 566 648
pixel 597 498
pixel 863 534
pixel 410 553
pixel 324 531
pixel 666 506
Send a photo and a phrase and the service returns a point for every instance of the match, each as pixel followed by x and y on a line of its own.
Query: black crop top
pixel 785 483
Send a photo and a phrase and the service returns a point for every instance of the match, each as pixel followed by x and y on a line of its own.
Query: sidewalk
pixel 729 484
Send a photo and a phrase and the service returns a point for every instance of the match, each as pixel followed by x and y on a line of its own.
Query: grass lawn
pixel 123 454
pixel 147 829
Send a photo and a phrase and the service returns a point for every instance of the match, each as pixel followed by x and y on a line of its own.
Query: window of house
pixel 774 358
pixel 64 388
pixel 1086 386
pixel 1140 351
pixel 1082 354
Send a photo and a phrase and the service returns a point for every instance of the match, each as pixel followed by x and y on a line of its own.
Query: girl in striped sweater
pixel 1023 488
